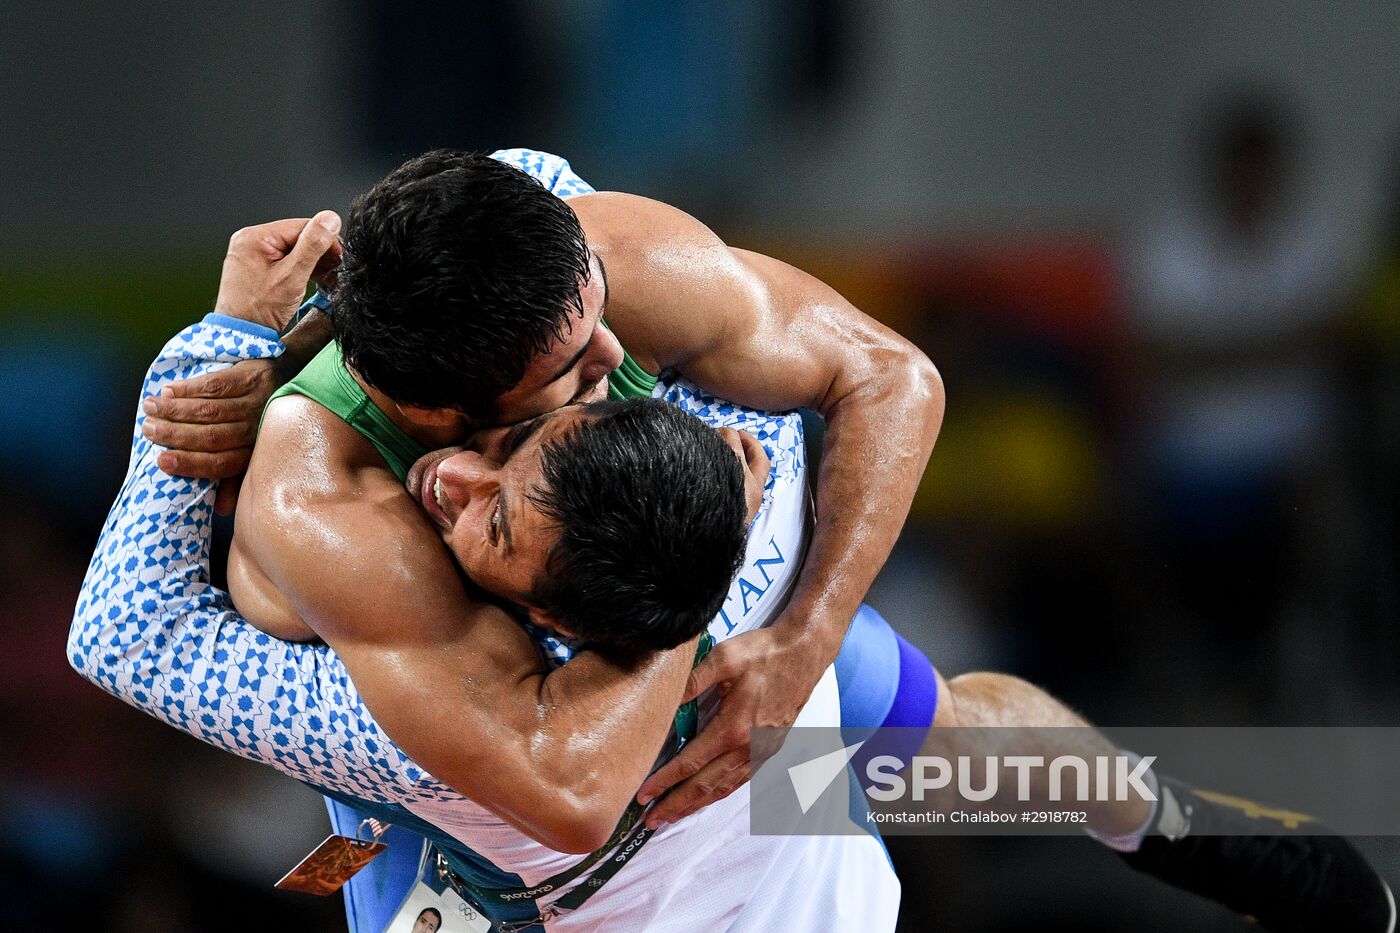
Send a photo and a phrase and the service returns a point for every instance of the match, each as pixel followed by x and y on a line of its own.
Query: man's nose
pixel 604 356
pixel 466 475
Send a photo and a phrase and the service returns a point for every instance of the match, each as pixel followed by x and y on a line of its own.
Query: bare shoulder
pixel 308 457
pixel 631 219
pixel 673 284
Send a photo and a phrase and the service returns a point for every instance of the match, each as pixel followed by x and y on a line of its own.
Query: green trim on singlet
pixel 325 380
pixel 629 380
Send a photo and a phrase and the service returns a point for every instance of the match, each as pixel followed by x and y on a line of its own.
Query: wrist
pixel 809 638
pixel 242 324
pixel 308 336
pixel 317 306
pixel 249 313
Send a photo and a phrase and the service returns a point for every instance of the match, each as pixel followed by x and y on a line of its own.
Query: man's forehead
pixel 545 426
pixel 520 433
pixel 563 419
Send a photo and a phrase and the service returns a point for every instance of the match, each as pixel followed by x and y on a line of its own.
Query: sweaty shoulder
pixel 673 285
pixel 314 489
pixel 307 455
pixel 616 220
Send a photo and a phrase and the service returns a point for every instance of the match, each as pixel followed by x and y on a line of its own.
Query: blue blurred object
pixel 62 394
pixel 58 834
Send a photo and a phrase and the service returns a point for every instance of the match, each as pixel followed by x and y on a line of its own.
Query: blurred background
pixel 1154 249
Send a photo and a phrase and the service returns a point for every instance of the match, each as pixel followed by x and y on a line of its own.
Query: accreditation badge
pixel 433 907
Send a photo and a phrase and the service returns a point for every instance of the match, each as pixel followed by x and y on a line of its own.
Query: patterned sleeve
pixel 550 170
pixel 152 630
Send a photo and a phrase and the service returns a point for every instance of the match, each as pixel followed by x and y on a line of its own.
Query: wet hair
pixel 458 270
pixel 651 509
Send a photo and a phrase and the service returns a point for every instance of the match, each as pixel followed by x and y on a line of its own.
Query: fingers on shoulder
pixel 205 465
pixel 200 437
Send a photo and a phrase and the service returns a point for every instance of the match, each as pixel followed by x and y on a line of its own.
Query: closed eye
pixel 521 433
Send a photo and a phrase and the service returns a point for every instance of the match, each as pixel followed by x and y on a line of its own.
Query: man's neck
pixel 430 436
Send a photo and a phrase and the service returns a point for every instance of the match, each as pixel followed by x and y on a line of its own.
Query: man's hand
pixel 210 422
pixel 764 680
pixel 267 267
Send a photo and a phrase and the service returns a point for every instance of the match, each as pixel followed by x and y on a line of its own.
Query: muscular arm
pixel 151 629
pixel 760 332
pixel 755 330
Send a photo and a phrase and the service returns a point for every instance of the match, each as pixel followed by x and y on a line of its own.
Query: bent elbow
pixel 82 642
pixel 924 383
pixel 583 823
pixel 559 812
pixel 582 837
pixel 104 636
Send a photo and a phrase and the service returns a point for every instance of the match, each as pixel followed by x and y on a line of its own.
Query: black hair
pixel 429 910
pixel 458 270
pixel 651 509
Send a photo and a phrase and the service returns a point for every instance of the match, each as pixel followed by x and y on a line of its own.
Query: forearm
pixel 879 435
pixel 601 728
pixel 558 755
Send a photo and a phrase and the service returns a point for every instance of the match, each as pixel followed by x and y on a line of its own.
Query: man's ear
pixel 431 417
pixel 735 439
pixel 547 620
